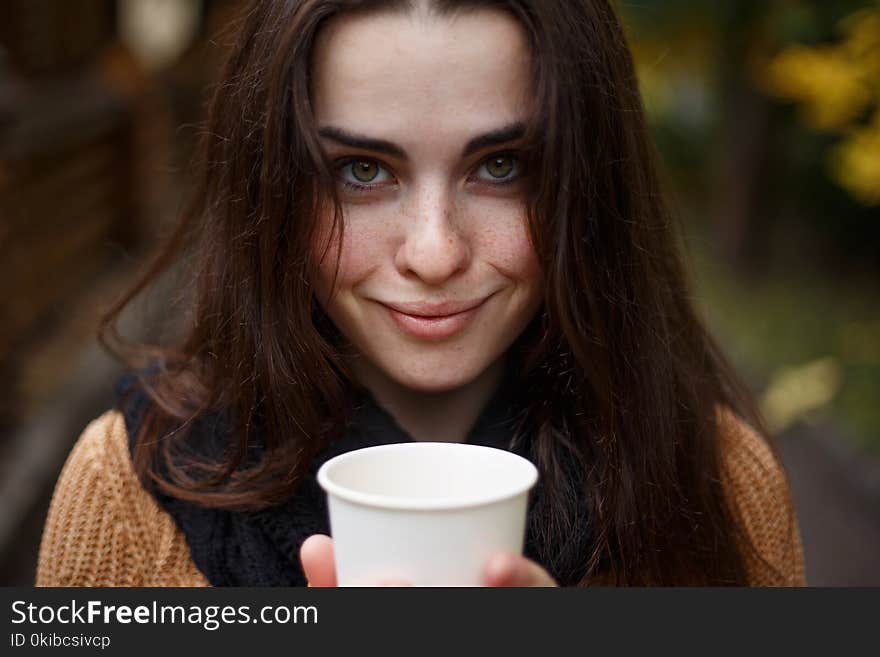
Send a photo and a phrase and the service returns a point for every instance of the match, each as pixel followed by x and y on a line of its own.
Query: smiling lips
pixel 434 321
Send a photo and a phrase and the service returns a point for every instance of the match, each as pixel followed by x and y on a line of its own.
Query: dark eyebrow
pixel 360 141
pixel 495 137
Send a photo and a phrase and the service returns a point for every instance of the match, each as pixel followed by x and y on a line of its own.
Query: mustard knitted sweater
pixel 104 529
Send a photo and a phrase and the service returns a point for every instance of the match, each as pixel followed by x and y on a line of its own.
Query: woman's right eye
pixel 360 174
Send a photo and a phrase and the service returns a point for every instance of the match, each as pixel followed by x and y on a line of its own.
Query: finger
pixel 395 583
pixel 515 570
pixel 316 555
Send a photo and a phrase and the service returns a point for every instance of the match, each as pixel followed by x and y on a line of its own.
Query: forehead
pixel 413 77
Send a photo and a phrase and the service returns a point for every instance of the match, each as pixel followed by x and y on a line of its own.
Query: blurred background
pixel 767 115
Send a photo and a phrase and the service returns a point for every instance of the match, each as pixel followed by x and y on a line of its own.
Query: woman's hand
pixel 316 555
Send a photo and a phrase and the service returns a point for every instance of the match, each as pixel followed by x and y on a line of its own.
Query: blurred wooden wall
pixel 92 161
pixel 65 169
pixel 94 152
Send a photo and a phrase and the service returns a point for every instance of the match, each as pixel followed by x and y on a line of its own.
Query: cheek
pixel 356 253
pixel 506 243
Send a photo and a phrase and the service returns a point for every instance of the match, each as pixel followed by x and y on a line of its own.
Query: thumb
pixel 316 555
pixel 515 570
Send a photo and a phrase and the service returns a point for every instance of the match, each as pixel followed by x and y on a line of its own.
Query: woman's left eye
pixel 361 173
pixel 499 169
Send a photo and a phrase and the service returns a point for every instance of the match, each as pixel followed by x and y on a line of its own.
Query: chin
pixel 431 379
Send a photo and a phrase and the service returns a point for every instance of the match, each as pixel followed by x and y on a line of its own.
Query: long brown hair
pixel 622 381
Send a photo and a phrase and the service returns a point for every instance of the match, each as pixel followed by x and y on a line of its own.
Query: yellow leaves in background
pixel 862 43
pixel 794 392
pixel 831 88
pixel 836 85
pixel 855 163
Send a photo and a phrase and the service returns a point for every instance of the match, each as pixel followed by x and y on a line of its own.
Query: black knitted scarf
pixel 261 548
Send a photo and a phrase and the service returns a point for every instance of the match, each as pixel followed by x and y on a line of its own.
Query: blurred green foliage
pixel 767 115
pixel 777 326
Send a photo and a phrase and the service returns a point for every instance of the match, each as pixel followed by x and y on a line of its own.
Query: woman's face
pixel 423 118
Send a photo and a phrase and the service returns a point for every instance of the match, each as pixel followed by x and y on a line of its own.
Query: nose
pixel 434 248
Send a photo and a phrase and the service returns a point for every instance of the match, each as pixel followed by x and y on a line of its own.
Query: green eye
pixel 364 170
pixel 499 167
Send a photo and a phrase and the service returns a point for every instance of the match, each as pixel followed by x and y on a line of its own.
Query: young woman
pixel 427 221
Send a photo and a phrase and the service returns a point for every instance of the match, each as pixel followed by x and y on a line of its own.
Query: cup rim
pixel 391 502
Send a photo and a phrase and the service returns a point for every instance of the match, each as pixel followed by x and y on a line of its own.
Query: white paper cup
pixel 430 514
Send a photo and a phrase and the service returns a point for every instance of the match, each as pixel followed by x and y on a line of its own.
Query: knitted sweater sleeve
pixel 758 489
pixel 103 528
